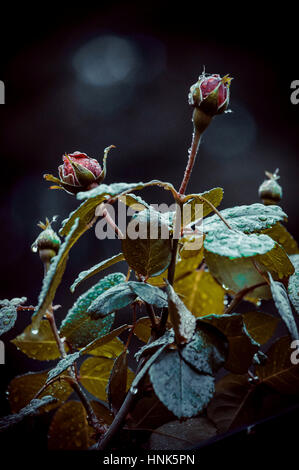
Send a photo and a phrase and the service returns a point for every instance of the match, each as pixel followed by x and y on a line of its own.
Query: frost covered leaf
pixel 182 390
pixel 150 253
pixel 120 189
pixel 107 346
pixel 78 328
pixel 239 273
pixel 293 287
pixel 8 313
pixel 113 299
pixel 30 410
pixel 96 269
pixel 234 245
pixel 278 371
pixel 260 326
pixel 231 405
pixel 182 320
pixel 95 374
pixel 54 275
pixel 150 294
pixel 247 219
pixel 280 234
pixel 117 385
pixel 94 197
pixel 62 365
pixel 141 374
pixel 183 379
pixel 177 435
pixel 38 344
pixel 195 207
pixel 86 211
pixel 143 328
pixel 241 347
pixel 165 340
pixel 201 294
pixel 135 202
pixel 23 388
pixel 283 306
pixel 69 429
pixel 188 262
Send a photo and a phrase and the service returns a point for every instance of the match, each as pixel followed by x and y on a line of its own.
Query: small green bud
pixel 270 191
pixel 47 243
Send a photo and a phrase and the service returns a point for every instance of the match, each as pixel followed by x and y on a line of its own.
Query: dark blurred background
pixel 119 73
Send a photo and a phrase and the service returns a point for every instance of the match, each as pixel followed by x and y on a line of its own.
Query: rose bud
pixel 209 96
pixel 47 243
pixel 270 191
pixel 79 172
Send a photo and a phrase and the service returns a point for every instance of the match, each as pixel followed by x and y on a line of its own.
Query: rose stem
pixel 92 418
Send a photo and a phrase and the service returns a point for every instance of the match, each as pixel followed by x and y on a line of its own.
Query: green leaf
pixel 293 287
pixel 247 219
pixel 182 320
pixel 178 386
pixel 143 329
pixel 156 415
pixel 201 294
pixel 54 275
pixel 260 326
pixel 121 296
pixel 278 371
pixel 117 386
pixel 69 429
pixel 231 405
pixel 283 306
pixel 167 339
pixel 106 346
pixel 102 412
pixel 30 410
pixel 8 313
pixel 233 245
pixel 23 388
pixel 183 379
pixel 242 347
pixel 150 294
pixel 94 197
pixel 96 269
pixel 38 344
pixel 141 374
pixel 280 234
pixel 62 365
pixel 150 255
pixel 177 435
pixel 113 299
pixel 187 263
pixel 135 202
pixel 239 273
pixel 77 327
pixel 191 209
pixel 94 375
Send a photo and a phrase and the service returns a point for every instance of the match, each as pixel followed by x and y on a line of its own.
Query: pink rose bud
pixel 79 172
pixel 210 93
pixel 79 169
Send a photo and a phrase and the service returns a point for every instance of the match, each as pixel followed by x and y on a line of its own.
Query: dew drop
pixel 134 390
pixel 34 331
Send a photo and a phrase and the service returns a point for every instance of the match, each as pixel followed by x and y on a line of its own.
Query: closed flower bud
pixel 270 191
pixel 47 243
pixel 210 93
pixel 79 172
pixel 209 96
